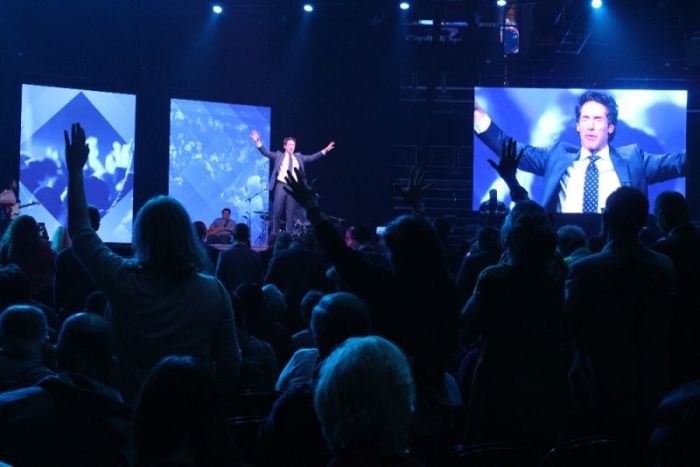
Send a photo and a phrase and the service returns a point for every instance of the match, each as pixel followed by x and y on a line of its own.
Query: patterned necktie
pixel 590 186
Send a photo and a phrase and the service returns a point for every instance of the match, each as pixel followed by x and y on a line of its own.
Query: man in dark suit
pixel 580 178
pixel 682 245
pixel 239 264
pixel 619 307
pixel 285 161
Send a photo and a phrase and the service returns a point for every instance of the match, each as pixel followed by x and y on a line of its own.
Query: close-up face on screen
pixel 642 144
pixel 109 121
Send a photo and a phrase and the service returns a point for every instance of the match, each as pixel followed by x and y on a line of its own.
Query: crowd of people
pixel 343 350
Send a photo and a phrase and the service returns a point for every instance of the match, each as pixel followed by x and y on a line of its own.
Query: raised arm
pixel 507 167
pixel 661 167
pixel 533 160
pixel 255 136
pixel 93 254
pixel 319 154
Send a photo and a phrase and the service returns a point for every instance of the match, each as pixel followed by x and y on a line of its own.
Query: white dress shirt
pixel 571 184
pixel 285 166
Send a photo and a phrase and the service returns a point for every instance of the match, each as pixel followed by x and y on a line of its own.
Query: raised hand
pixel 329 148
pixel 510 159
pixel 303 193
pixel 413 193
pixel 255 136
pixel 479 113
pixel 76 149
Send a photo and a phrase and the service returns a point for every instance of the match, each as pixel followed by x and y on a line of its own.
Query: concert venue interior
pixel 170 91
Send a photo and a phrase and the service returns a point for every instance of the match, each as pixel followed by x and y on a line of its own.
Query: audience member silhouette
pixel 240 263
pixel 23 337
pixel 16 289
pixel 23 246
pixel 295 271
pixel 335 318
pixel 364 399
pixel 72 284
pixel 571 243
pixel 71 418
pixel 259 365
pixel 179 417
pixel 486 251
pixel 674 441
pixel 681 243
pixel 159 303
pixel 200 229
pixel 305 338
pixel 519 391
pixel 619 312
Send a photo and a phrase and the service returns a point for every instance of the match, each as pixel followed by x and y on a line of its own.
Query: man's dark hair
pixel 626 211
pixel 570 238
pixel 607 100
pixel 674 439
pixel 15 286
pixel 85 345
pixel 673 208
pixel 225 210
pixel 308 303
pixel 241 233
pixel 96 303
pixel 288 138
pixel 336 317
pixel 489 238
pixel 94 215
pixel 22 326
pixel 200 229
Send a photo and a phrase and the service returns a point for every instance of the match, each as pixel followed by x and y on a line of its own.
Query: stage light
pixel 404 5
pixel 308 8
pixel 596 3
pixel 501 3
pixel 216 8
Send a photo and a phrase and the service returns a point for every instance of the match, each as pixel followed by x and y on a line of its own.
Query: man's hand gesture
pixel 76 149
pixel 328 148
pixel 255 136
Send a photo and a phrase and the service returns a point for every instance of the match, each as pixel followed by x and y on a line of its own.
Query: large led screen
pixel 214 163
pixel 108 119
pixel 646 149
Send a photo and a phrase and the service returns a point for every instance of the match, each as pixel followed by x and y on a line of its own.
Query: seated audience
pixel 23 246
pixel 364 399
pixel 16 289
pixel 200 230
pixel 240 263
pixel 681 243
pixel 305 338
pixel 97 303
pixel 674 441
pixel 179 417
pixel 620 304
pixel 571 243
pixel 72 418
pixel 160 304
pixel 23 337
pixel 72 284
pixel 295 271
pixel 335 318
pixel 261 323
pixel 259 367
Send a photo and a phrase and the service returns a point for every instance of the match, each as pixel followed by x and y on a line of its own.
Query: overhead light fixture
pixel 596 3
pixel 216 8
pixel 501 3
pixel 404 5
pixel 308 8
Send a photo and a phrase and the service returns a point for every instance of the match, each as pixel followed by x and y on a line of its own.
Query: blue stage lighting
pixel 501 3
pixel 308 8
pixel 216 8
pixel 404 5
pixel 596 3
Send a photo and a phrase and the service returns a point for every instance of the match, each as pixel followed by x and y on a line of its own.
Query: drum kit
pixel 301 226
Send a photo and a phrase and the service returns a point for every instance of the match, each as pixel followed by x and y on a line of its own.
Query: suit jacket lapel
pixel 621 167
